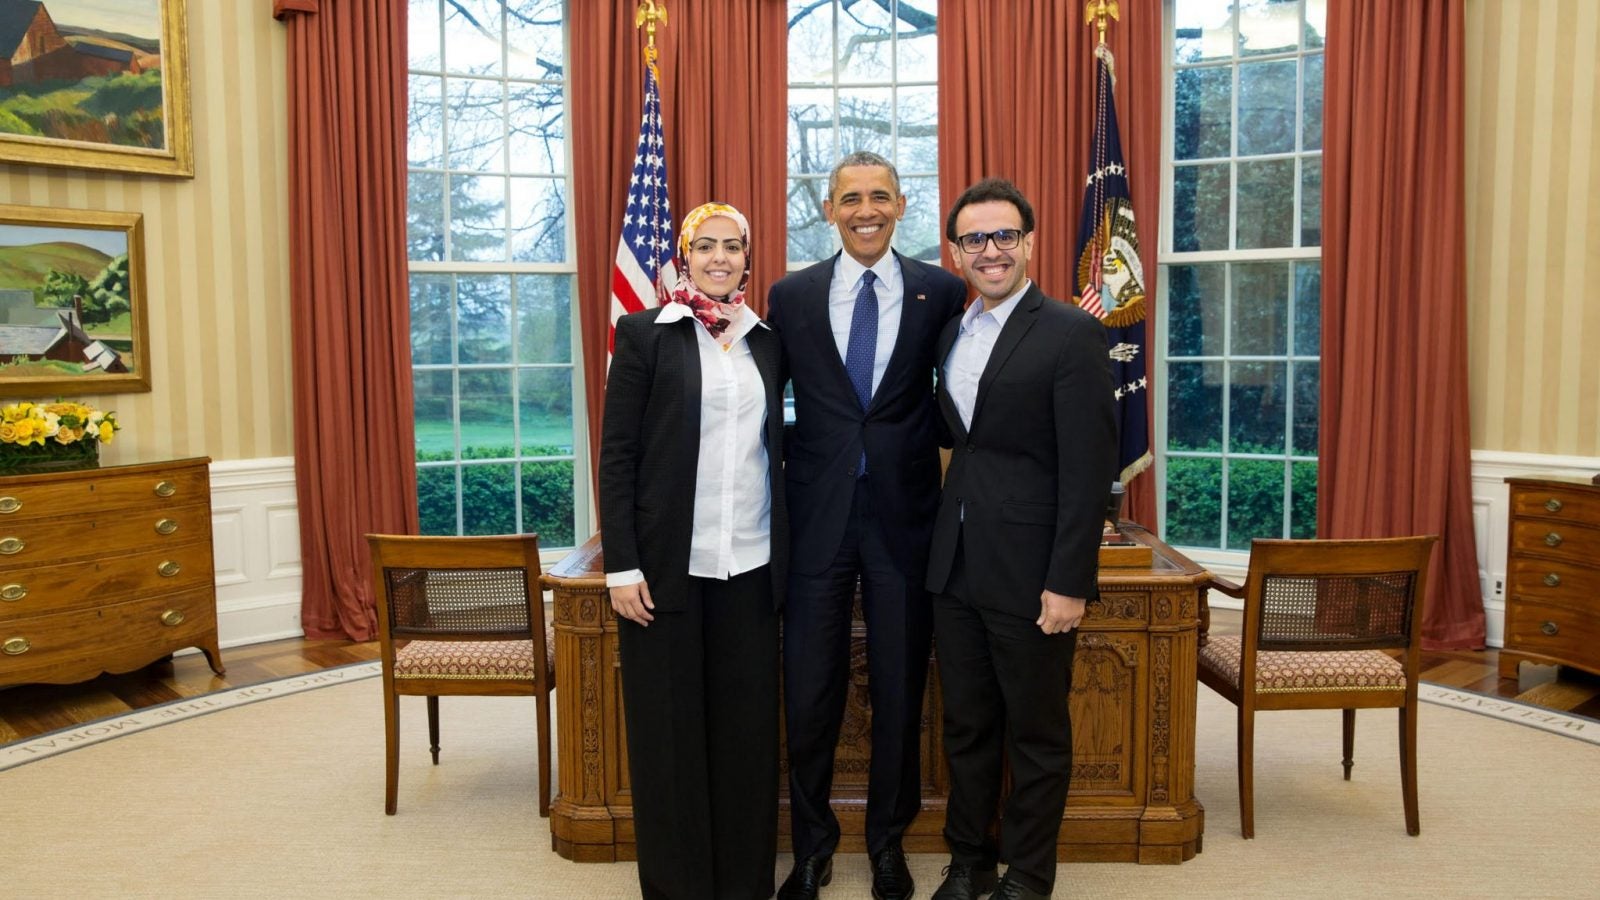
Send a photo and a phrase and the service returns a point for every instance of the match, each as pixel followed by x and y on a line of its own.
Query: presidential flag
pixel 644 252
pixel 1110 277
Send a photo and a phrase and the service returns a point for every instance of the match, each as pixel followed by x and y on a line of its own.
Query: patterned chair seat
pixel 1291 671
pixel 472 660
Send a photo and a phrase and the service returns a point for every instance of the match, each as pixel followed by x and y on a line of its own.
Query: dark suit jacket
pixel 1035 471
pixel 899 429
pixel 650 449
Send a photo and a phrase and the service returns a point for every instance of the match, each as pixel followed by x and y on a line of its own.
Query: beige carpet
pixel 284 799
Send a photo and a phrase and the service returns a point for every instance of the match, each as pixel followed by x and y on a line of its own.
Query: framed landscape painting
pixel 72 302
pixel 96 84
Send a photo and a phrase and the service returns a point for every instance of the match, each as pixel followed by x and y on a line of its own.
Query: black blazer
pixel 650 450
pixel 1034 473
pixel 899 429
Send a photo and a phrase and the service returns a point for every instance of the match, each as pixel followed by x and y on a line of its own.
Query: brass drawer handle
pixel 11 593
pixel 1553 539
pixel 166 526
pixel 11 545
pixel 172 617
pixel 1550 628
pixel 1553 505
pixel 9 505
pixel 168 569
pixel 17 646
pixel 165 489
pixel 1552 580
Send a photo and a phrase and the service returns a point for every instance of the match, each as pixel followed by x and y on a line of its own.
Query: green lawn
pixel 438 437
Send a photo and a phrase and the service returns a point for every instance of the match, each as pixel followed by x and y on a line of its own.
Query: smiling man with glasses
pixel 1025 389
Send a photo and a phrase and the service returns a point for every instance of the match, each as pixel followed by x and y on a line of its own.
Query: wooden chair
pixel 1318 616
pixel 461 616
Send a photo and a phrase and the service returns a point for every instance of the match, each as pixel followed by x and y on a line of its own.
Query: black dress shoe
pixel 807 877
pixel 1016 890
pixel 966 883
pixel 891 878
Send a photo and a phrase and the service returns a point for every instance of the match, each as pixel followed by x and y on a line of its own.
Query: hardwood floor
pixel 30 710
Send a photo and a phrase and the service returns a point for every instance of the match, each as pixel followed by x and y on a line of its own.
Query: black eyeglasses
pixel 1004 239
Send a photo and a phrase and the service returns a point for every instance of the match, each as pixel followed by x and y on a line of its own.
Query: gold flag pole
pixel 650 14
pixel 1097 13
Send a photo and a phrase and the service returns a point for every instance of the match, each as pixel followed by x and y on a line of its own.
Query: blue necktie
pixel 862 350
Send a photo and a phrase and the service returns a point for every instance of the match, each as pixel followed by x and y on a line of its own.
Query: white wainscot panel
pixel 257 550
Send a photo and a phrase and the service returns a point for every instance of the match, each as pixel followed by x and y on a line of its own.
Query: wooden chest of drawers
pixel 1553 575
pixel 105 570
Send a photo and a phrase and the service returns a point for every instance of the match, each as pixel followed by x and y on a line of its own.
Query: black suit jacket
pixel 650 451
pixel 899 428
pixel 1034 472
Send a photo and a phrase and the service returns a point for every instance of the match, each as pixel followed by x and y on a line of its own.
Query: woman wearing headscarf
pixel 693 529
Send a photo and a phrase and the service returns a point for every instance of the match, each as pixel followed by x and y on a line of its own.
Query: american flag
pixel 644 252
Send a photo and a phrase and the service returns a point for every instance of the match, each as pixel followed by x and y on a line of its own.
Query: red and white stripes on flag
pixel 645 250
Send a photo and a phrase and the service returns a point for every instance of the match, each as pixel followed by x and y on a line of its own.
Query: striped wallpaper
pixel 216 246
pixel 1533 225
pixel 218 268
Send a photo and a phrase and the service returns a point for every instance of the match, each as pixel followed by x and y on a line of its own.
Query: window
pixel 863 76
pixel 489 241
pixel 1241 272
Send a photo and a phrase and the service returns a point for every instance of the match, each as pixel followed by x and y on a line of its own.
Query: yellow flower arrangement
pixel 53 434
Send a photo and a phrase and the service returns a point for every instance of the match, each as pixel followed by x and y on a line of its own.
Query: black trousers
pixel 700 693
pixel 816 678
pixel 1005 685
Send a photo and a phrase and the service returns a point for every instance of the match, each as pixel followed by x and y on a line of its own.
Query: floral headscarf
pixel 716 315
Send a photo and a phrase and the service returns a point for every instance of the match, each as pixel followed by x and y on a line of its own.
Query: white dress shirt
pixel 732 527
pixel 969 355
pixel 890 288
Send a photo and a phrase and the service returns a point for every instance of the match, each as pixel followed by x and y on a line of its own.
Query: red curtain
pixel 355 469
pixel 1395 446
pixel 723 83
pixel 1016 99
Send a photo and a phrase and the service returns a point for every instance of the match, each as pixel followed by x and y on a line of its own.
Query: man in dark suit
pixel 1025 389
pixel 862 471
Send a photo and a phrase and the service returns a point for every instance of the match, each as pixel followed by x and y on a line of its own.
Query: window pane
pixel 1194 406
pixel 1200 207
pixel 472 36
pixel 1316 23
pixel 1256 398
pixel 1260 309
pixel 539 219
pixel 538 133
pixel 425 216
pixel 1202 113
pixel 425 122
pixel 865 115
pixel 917 51
pixel 1203 29
pixel 1266 204
pixel 483 319
pixel 486 414
pixel 430 319
pixel 1195 296
pixel 1303 501
pixel 919 234
pixel 1267 107
pixel 1311 201
pixel 1268 26
pixel 547 502
pixel 477 218
pixel 422 34
pixel 477 124
pixel 810 42
pixel 811 237
pixel 433 392
pixel 1194 502
pixel 533 39
pixel 489 499
pixel 436 499
pixel 1307 385
pixel 1311 138
pixel 812 148
pixel 918 147
pixel 545 407
pixel 1308 308
pixel 864 51
pixel 1255 501
pixel 544 318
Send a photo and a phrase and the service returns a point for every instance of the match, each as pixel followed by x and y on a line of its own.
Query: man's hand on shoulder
pixel 1059 612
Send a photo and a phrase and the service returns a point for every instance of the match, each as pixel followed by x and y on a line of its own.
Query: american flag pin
pixel 922 296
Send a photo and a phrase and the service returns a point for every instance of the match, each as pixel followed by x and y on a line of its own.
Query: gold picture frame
pixel 81 94
pixel 73 313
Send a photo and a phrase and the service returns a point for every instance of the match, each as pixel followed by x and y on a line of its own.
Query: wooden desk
pixel 1133 709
